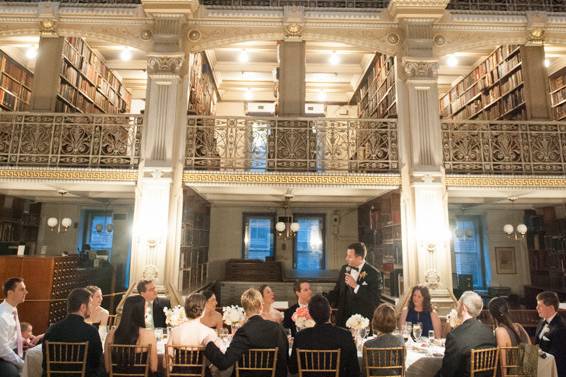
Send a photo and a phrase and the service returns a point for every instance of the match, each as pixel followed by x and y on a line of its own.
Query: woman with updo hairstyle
pixel 269 313
pixel 193 333
pixel 211 317
pixel 507 333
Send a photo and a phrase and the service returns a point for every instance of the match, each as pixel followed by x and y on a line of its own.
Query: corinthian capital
pixel 165 65
pixel 420 69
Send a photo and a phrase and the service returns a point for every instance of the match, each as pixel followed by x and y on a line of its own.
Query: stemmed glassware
pixel 417 331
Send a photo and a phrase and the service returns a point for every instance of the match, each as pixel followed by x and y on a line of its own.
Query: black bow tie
pixel 354 268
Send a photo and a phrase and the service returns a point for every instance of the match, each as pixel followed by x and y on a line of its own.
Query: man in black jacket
pixel 551 330
pixel 74 329
pixel 471 334
pixel 359 285
pixel 325 336
pixel 303 291
pixel 154 315
pixel 255 333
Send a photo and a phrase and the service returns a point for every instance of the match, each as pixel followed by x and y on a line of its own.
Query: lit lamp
pixel 515 233
pixel 63 224
pixel 287 228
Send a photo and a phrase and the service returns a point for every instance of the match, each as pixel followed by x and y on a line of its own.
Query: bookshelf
pixel 376 95
pixel 15 84
pixel 496 88
pixel 202 97
pixel 86 84
pixel 558 94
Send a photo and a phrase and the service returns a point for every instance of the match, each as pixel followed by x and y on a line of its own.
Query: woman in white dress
pixel 269 313
pixel 98 315
pixel 193 333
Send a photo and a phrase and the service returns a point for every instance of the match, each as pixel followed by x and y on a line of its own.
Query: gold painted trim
pixel 112 175
pixel 506 181
pixel 195 177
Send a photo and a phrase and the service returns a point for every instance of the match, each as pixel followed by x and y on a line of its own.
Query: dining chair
pixel 129 360
pixel 484 361
pixel 66 359
pixel 257 360
pixel 183 361
pixel 388 362
pixel 321 362
pixel 111 321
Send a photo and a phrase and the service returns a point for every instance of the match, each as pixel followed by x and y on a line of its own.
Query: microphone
pixel 348 269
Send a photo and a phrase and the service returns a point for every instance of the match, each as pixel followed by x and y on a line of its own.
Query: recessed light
pixel 126 54
pixel 244 57
pixel 31 52
pixel 322 96
pixel 546 63
pixel 334 58
pixel 248 95
pixel 452 61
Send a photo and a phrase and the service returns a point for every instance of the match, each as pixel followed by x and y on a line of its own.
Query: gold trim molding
pixel 109 175
pixel 506 181
pixel 306 179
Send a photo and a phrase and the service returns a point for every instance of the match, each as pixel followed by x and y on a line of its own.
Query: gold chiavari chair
pixel 182 361
pixel 129 360
pixel 483 360
pixel 509 361
pixel 321 362
pixel 66 359
pixel 257 360
pixel 388 362
pixel 111 321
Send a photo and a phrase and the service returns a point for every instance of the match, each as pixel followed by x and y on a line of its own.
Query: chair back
pixel 129 360
pixel 111 321
pixel 66 359
pixel 318 362
pixel 388 362
pixel 182 361
pixel 258 360
pixel 509 361
pixel 483 362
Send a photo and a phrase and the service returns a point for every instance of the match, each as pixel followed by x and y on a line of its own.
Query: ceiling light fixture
pixel 322 95
pixel 58 223
pixel 511 232
pixel 546 63
pixel 126 54
pixel 248 95
pixel 452 61
pixel 334 58
pixel 244 57
pixel 286 227
pixel 31 52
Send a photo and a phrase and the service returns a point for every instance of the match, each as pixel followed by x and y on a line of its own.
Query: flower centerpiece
pixel 356 323
pixel 453 319
pixel 233 316
pixel 175 316
pixel 302 318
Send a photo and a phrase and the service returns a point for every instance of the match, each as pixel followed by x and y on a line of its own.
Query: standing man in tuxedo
pixel 551 330
pixel 359 285
pixel 303 291
pixel 154 315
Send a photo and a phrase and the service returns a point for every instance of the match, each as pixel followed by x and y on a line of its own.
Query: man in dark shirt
pixel 551 331
pixel 74 329
pixel 303 291
pixel 325 336
pixel 255 333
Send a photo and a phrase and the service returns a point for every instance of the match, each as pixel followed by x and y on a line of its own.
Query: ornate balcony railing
pixel 509 5
pixel 69 140
pixel 298 144
pixel 511 147
pixel 365 4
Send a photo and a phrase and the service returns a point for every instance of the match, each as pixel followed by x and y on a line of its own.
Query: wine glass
pixel 364 332
pixel 431 336
pixel 406 331
pixel 417 331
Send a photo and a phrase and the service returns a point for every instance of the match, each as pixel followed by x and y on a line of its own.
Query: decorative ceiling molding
pixel 505 181
pixel 67 174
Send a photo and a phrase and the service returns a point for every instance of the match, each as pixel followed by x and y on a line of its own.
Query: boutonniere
pixel 363 274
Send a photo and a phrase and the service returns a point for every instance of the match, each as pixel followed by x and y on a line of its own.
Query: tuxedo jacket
pixel 554 342
pixel 288 322
pixel 74 329
pixel 472 334
pixel 255 333
pixel 364 301
pixel 158 314
pixel 327 337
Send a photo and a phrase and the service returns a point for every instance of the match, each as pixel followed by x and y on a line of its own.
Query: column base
pixel 443 300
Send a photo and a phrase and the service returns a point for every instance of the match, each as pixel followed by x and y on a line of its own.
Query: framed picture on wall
pixel 505 262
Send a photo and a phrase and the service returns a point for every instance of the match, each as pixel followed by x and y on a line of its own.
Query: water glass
pixel 158 334
pixel 417 331
pixel 431 336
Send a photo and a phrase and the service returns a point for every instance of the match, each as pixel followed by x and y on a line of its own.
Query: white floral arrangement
pixel 175 316
pixel 453 319
pixel 302 318
pixel 357 322
pixel 233 315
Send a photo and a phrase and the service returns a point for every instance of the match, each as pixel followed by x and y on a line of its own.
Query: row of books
pixel 9 102
pixel 16 88
pixel 376 93
pixel 15 84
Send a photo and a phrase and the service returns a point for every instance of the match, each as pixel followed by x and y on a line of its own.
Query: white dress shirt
pixel 356 274
pixel 546 327
pixel 148 315
pixel 9 335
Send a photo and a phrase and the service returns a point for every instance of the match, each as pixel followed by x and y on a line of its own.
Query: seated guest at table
pixel 551 330
pixel 74 329
pixel 383 324
pixel 131 330
pixel 419 309
pixel 303 291
pixel 211 317
pixel 27 335
pixel 154 315
pixel 11 342
pixel 471 334
pixel 98 315
pixel 326 336
pixel 255 333
pixel 269 312
pixel 193 333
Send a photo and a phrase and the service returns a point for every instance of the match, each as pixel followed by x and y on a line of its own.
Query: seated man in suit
pixel 325 336
pixel 303 291
pixel 471 334
pixel 551 330
pixel 154 315
pixel 255 333
pixel 74 329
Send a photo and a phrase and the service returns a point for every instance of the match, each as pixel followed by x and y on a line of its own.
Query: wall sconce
pixel 57 222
